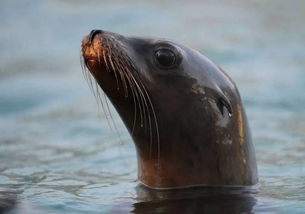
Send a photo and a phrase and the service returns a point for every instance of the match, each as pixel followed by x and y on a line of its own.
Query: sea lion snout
pixel 93 33
pixel 92 48
pixel 89 38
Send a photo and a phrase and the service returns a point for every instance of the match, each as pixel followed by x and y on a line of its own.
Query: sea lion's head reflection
pixel 193 200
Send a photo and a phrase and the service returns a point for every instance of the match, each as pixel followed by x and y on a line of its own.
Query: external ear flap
pixel 223 102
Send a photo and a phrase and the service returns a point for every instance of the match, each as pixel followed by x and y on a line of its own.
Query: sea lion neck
pixel 189 156
pixel 183 112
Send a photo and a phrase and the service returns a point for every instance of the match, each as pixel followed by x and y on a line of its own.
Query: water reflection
pixel 191 200
pixel 8 200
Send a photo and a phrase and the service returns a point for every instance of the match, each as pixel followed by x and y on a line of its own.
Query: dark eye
pixel 165 57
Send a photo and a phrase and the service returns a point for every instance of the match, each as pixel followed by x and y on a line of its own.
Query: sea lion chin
pixel 183 112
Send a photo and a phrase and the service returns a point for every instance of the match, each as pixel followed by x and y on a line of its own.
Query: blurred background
pixel 56 149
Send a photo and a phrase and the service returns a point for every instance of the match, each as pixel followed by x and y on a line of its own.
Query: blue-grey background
pixel 56 149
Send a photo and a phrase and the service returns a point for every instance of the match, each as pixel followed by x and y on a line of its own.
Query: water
pixel 57 153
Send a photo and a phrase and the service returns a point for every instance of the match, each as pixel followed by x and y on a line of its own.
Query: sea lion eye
pixel 165 57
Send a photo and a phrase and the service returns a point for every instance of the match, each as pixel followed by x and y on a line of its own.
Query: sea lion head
pixel 183 112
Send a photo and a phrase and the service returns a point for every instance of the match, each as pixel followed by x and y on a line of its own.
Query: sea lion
pixel 183 112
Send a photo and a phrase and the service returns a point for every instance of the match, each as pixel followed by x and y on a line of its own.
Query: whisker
pixel 156 124
pixel 98 57
pixel 126 74
pixel 133 91
pixel 117 63
pixel 142 95
pixel 105 60
pixel 154 116
pixel 111 63
pixel 96 91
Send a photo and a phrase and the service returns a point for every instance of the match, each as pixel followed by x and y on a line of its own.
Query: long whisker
pixel 142 95
pixel 124 75
pixel 118 62
pixel 111 63
pixel 108 49
pixel 115 58
pixel 139 96
pixel 96 91
pixel 153 112
pixel 156 124
pixel 143 110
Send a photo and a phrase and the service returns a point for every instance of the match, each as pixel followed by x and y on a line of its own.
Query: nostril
pixel 93 33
